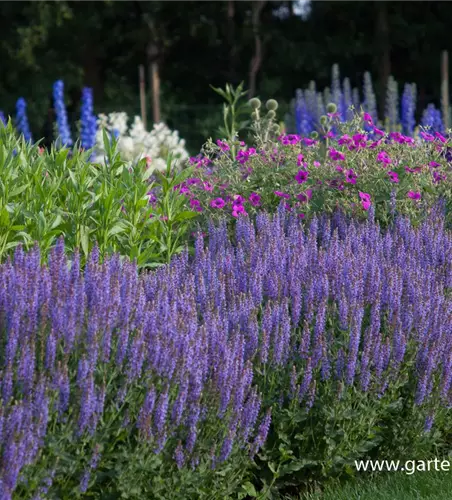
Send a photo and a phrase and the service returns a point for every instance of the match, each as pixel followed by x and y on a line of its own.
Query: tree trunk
pixel 154 57
pixel 383 45
pixel 256 61
pixel 155 84
pixel 142 84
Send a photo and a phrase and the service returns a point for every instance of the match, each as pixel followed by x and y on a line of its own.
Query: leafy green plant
pixel 234 110
pixel 48 194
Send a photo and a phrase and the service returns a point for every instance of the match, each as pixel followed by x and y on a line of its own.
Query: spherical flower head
pixel 323 120
pixel 331 108
pixel 302 176
pixel 217 203
pixel 271 105
pixel 255 103
pixel 271 115
pixel 314 135
pixel 275 128
pixel 414 195
pixel 255 199
pixel 393 176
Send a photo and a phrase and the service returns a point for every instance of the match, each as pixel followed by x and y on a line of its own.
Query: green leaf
pixel 84 239
pixel 249 489
pixel 4 218
pixel 18 190
pixel 118 228
pixel 185 215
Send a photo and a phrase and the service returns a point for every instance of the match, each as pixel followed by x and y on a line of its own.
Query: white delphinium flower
pixel 136 142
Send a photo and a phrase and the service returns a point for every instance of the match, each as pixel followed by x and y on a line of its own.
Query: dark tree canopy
pixel 197 44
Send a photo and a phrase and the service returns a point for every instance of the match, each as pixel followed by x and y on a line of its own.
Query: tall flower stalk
pixel 22 119
pixel 88 120
pixel 64 133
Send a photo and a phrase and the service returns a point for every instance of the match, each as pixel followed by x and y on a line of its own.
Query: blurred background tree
pixel 275 47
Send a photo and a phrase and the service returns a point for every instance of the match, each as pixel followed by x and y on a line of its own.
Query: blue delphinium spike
pixel 298 103
pixel 336 91
pixel 88 120
pixel 22 119
pixel 392 103
pixel 428 116
pixel 348 99
pixel 2 118
pixel 61 114
pixel 408 110
pixel 370 101
pixel 311 103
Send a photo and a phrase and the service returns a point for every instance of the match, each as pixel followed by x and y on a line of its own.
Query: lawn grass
pixel 434 485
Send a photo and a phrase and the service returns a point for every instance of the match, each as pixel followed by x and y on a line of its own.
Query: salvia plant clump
pixel 254 350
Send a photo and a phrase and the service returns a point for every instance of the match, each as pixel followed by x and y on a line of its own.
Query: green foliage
pixel 46 195
pixel 434 485
pixel 234 110
pixel 310 447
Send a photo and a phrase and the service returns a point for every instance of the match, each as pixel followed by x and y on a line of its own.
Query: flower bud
pixel 323 120
pixel 275 128
pixel 271 105
pixel 314 134
pixel 254 115
pixel 255 103
pixel 331 107
pixel 271 114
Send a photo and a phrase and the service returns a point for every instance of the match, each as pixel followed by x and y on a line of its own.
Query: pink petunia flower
pixel 237 210
pixel 302 176
pixel 255 199
pixel 414 195
pixel 367 118
pixel 217 203
pixel 350 176
pixel 394 177
pixel 366 204
pixel 282 195
pixel 336 155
